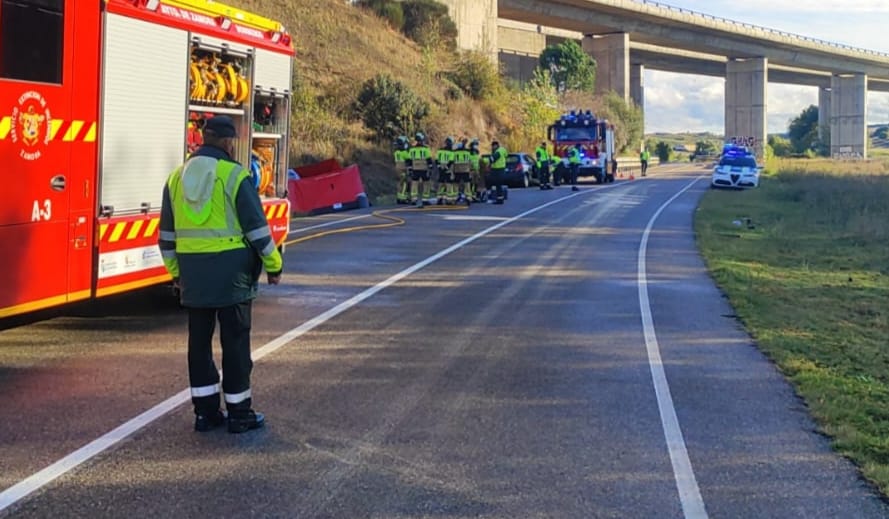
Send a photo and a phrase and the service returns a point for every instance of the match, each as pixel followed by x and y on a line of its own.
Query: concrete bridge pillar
pixel 612 55
pixel 848 115
pixel 476 25
pixel 824 98
pixel 637 88
pixel 746 93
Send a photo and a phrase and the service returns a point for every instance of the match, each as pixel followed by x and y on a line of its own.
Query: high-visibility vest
pixel 499 158
pixel 212 226
pixel 542 156
pixel 574 156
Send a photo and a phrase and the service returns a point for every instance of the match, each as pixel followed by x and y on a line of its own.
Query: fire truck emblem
pixel 30 124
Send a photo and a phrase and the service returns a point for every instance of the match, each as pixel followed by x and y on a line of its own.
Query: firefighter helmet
pixel 449 142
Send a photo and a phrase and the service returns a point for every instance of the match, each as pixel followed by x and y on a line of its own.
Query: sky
pixel 681 102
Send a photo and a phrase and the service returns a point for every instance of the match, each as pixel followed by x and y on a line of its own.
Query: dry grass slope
pixel 338 47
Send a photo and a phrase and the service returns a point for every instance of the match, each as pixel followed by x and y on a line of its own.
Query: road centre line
pixel 687 485
pixel 43 477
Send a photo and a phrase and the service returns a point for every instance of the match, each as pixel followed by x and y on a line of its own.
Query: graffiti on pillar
pixel 747 141
pixel 847 153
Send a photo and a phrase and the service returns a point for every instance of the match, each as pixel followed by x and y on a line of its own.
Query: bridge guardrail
pixel 764 29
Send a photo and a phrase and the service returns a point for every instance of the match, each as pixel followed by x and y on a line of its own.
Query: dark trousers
pixel 234 334
pixel 495 179
pixel 575 171
pixel 644 167
pixel 543 174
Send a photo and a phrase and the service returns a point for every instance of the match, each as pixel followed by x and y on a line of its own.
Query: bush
pixel 476 75
pixel 389 108
pixel 427 22
pixel 389 10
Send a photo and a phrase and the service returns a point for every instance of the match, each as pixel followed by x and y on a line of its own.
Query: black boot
pixel 208 421
pixel 243 422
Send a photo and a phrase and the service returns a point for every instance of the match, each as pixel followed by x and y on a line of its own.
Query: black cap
pixel 222 126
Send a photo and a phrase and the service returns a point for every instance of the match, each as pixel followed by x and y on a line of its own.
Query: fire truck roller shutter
pixel 272 71
pixel 144 95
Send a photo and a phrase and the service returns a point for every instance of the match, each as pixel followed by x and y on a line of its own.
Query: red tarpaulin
pixel 325 186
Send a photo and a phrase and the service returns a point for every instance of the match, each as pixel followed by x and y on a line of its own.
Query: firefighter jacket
pixel 462 161
pixel 444 157
pixel 542 156
pixel 421 157
pixel 402 157
pixel 214 236
pixel 474 159
pixel 498 159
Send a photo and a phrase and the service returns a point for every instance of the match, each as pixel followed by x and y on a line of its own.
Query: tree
pixel 569 66
pixel 663 151
pixel 781 146
pixel 427 22
pixel 628 119
pixel 803 131
pixel 704 147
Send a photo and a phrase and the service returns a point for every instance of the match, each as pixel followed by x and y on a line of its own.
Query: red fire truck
pixel 596 140
pixel 99 102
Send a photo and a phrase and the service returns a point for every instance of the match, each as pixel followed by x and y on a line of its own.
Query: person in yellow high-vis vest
pixel 215 241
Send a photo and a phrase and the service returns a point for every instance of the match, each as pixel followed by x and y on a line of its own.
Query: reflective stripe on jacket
pixel 214 235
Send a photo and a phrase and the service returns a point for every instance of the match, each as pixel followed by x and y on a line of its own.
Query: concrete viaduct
pixel 625 36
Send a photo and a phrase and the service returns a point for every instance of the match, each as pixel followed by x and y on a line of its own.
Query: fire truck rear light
pixel 224 22
pixel 152 5
pixel 276 37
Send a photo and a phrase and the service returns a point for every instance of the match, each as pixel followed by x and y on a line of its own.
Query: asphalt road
pixel 500 361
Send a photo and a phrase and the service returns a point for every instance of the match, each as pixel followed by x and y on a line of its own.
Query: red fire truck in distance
pixel 99 102
pixel 596 139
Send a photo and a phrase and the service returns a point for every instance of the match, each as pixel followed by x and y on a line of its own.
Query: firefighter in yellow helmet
pixel 215 241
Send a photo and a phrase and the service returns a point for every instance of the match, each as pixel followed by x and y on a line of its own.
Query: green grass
pixel 810 282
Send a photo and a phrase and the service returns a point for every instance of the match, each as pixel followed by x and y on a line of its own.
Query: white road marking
pixel 470 217
pixel 689 494
pixel 39 479
pixel 328 224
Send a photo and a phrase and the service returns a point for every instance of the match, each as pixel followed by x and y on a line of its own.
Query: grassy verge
pixel 810 281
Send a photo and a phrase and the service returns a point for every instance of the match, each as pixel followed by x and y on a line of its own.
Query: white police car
pixel 736 169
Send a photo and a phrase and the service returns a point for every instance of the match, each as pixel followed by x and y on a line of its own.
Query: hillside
pixel 338 47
